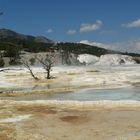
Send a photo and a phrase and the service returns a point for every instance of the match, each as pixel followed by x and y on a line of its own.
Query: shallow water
pixel 130 93
pixel 95 95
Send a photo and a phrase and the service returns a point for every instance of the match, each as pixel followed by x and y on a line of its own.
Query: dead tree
pixel 47 63
pixel 8 69
pixel 26 64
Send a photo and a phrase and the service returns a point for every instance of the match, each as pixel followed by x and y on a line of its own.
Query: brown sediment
pixel 69 120
pixel 74 119
pixel 53 122
pixel 7 132
pixel 36 108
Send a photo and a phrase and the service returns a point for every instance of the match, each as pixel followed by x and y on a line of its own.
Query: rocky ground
pixel 45 121
pixel 57 120
pixel 70 77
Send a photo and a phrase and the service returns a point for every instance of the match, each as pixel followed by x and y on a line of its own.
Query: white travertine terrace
pixel 108 59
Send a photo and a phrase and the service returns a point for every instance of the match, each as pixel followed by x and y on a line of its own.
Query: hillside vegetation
pixel 12 44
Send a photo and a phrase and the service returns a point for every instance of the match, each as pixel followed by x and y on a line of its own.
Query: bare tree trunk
pixel 47 63
pixel 27 65
pixel 32 74
pixel 48 74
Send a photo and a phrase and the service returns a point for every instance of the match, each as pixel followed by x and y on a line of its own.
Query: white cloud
pixel 111 46
pixel 133 24
pixel 91 43
pixel 136 44
pixel 50 30
pixel 91 27
pixel 128 46
pixel 71 32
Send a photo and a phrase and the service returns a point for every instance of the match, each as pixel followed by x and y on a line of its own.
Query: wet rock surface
pixel 48 122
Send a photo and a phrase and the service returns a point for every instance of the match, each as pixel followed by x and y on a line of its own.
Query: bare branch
pixel 3 70
pixel 27 65
pixel 46 62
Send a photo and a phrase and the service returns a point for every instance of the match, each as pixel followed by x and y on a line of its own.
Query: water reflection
pixel 36 87
pixel 130 93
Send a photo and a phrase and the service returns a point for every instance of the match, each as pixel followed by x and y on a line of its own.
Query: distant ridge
pixel 12 41
pixel 6 34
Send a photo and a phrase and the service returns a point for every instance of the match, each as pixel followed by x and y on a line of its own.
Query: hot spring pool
pixel 130 93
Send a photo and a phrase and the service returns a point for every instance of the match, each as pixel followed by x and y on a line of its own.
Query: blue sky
pixel 106 21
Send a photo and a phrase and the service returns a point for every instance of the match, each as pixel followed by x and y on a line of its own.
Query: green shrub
pixel 14 62
pixel 2 63
pixel 32 61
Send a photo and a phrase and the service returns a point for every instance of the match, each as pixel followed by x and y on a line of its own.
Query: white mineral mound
pixel 108 59
pixel 115 59
pixel 87 59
